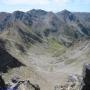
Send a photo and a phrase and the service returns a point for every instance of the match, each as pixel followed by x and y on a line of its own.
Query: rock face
pixel 7 61
pixel 86 77
pixel 2 83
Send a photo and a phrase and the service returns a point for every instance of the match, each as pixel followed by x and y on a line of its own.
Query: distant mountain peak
pixel 65 12
pixel 18 14
pixel 67 15
pixel 37 11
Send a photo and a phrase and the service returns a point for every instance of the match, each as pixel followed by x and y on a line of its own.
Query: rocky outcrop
pixel 22 85
pixel 86 77
pixel 26 85
pixel 73 83
pixel 17 84
pixel 2 83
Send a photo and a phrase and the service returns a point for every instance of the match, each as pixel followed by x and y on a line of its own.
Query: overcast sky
pixel 49 5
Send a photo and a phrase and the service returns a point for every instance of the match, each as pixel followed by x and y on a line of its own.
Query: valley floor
pixel 48 71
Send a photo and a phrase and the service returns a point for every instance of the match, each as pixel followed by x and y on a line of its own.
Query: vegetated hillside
pixel 51 45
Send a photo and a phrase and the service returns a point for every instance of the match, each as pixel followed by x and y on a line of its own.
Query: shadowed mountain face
pixel 7 61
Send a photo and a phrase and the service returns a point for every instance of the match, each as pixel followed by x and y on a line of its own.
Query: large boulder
pixel 86 77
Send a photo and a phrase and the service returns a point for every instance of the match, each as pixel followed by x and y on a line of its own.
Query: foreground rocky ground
pixel 74 82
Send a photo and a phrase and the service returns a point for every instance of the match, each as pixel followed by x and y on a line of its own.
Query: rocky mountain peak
pixel 18 14
pixel 65 11
pixel 67 15
pixel 37 12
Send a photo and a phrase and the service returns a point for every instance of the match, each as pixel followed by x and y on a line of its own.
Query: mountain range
pixel 48 46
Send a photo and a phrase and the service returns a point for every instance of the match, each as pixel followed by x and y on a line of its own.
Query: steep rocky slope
pixel 50 46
